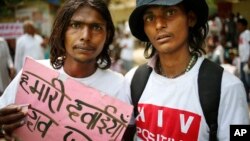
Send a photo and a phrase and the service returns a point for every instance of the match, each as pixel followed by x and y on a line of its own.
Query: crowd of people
pixel 29 44
pixel 228 44
pixel 86 46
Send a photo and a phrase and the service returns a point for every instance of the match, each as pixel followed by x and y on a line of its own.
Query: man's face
pixel 167 27
pixel 85 36
pixel 31 29
pixel 240 27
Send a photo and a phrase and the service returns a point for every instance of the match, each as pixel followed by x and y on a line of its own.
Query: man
pixel 7 71
pixel 169 107
pixel 244 52
pixel 80 39
pixel 127 48
pixel 29 44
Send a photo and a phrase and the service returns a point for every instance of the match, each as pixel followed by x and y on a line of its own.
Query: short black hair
pixel 243 21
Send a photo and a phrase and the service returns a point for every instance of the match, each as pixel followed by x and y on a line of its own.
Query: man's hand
pixel 11 118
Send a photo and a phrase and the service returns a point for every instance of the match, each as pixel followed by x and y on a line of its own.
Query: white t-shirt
pixel 30 46
pixel 169 109
pixel 244 46
pixel 230 68
pixel 106 81
pixel 5 63
pixel 218 54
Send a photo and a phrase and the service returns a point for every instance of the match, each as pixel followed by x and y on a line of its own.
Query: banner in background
pixel 11 30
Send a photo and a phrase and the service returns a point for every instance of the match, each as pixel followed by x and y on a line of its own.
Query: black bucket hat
pixel 199 7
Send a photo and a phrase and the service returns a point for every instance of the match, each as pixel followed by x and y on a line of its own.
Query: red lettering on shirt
pixel 158 123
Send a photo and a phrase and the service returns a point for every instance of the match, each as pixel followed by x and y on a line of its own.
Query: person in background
pixel 230 31
pixel 46 47
pixel 127 45
pixel 7 70
pixel 80 39
pixel 169 107
pixel 244 52
pixel 29 44
pixel 234 55
pixel 219 51
pixel 228 64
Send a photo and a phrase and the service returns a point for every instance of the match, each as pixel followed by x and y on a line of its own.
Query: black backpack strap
pixel 138 84
pixel 209 89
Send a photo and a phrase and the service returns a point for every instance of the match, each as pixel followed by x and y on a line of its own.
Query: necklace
pixel 188 68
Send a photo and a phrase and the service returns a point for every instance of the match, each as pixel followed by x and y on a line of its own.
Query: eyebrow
pixel 147 12
pixel 75 21
pixel 83 22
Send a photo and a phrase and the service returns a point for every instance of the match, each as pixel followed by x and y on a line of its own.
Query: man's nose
pixel 85 34
pixel 160 23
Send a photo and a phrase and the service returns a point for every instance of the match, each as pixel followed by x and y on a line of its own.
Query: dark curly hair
pixel 196 37
pixel 61 23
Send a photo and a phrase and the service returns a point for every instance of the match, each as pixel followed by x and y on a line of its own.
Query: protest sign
pixel 63 109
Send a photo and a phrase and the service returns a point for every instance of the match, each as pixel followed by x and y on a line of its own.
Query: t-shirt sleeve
pixel 233 108
pixel 9 94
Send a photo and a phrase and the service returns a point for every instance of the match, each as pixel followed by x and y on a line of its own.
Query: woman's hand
pixel 11 118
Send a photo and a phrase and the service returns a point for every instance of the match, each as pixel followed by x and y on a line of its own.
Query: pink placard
pixel 65 110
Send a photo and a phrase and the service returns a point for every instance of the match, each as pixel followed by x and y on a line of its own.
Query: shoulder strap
pixel 209 87
pixel 138 84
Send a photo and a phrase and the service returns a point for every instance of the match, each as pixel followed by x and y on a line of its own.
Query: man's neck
pixel 79 70
pixel 174 65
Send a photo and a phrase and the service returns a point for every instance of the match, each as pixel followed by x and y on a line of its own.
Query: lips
pixel 162 38
pixel 83 48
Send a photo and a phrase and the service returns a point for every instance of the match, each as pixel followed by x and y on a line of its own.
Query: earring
pixel 61 58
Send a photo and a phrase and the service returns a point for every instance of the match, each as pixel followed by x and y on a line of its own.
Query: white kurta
pixel 244 46
pixel 30 46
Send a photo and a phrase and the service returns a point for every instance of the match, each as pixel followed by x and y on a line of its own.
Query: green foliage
pixel 212 6
pixel 7 8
